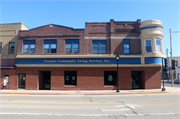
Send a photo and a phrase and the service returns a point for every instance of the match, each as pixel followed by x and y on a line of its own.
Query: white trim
pixel 159 46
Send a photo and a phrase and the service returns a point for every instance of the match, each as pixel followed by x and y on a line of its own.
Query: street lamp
pixel 163 71
pixel 171 54
pixel 117 58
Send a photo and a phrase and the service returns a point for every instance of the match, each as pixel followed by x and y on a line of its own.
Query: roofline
pixel 25 25
pixel 97 22
pixel 14 23
pixel 52 24
pixel 11 23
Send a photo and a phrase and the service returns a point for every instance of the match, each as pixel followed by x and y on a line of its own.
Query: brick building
pixel 8 51
pixel 62 58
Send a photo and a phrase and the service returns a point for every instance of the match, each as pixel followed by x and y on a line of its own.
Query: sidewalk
pixel 90 92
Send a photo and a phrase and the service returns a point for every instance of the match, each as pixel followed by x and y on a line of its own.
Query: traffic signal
pixel 173 64
pixel 166 63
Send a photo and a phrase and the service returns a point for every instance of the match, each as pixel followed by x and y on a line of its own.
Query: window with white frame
pixel 158 45
pixel 148 45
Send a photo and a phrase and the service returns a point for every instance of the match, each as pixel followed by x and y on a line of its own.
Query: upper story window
pixel 72 46
pixel 0 47
pixel 11 48
pixel 28 46
pixel 158 45
pixel 126 44
pixel 148 45
pixel 99 47
pixel 50 46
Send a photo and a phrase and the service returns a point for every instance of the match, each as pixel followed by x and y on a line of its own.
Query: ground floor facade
pixel 82 78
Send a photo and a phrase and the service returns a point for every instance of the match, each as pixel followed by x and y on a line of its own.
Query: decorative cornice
pixel 78 56
pixel 112 37
pixel 50 35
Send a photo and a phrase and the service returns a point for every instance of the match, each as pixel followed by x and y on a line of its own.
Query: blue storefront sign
pixel 76 61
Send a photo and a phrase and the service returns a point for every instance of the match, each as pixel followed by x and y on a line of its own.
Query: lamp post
pixel 171 54
pixel 117 58
pixel 163 69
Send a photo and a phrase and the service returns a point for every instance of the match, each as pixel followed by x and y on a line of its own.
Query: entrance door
pixel 135 79
pixel 47 79
pixel 44 80
pixel 21 81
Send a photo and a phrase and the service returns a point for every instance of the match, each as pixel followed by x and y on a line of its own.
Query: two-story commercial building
pixel 62 58
pixel 8 52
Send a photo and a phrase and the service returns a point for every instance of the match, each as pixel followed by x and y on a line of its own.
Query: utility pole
pixel 171 60
pixel 168 70
pixel 171 54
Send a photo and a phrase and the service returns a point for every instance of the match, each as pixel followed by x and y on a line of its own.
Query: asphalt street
pixel 84 106
pixel 127 106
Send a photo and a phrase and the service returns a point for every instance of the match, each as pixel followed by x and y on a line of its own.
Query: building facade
pixel 8 51
pixel 176 72
pixel 56 57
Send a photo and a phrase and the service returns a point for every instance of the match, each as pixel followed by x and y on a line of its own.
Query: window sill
pixel 71 53
pixel 109 86
pixel 70 86
pixel 49 53
pixel 148 52
pixel 99 54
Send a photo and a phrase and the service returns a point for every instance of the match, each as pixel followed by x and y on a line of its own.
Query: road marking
pixel 90 115
pixel 126 107
pixel 115 110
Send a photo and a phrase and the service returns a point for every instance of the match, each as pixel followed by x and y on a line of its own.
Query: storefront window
pixel 7 78
pixel 109 77
pixel 70 77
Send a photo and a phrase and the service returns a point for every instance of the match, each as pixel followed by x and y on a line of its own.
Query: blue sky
pixel 74 13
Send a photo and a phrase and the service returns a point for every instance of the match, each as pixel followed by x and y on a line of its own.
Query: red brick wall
pixel 55 30
pixel 92 29
pixel 109 29
pixel 92 78
pixel 12 78
pixel 152 78
pixel 31 82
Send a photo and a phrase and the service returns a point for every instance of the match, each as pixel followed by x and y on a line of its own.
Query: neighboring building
pixel 62 58
pixel 177 68
pixel 8 51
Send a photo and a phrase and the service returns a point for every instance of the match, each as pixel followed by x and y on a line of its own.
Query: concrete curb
pixel 82 93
